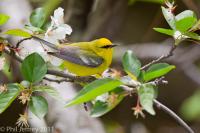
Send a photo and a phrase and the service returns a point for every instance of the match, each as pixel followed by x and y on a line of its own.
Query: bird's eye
pixel 106 46
pixel 109 46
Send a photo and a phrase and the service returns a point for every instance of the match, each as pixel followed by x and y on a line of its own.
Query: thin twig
pixel 22 40
pixel 159 81
pixel 160 58
pixel 172 114
pixel 58 80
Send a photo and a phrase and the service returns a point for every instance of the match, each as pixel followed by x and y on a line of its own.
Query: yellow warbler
pixel 83 58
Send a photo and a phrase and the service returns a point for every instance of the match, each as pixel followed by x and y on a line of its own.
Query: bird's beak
pixel 113 45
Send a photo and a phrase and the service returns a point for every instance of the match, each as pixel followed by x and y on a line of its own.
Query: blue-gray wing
pixel 79 56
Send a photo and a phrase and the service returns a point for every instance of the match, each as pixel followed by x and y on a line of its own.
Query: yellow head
pixel 104 48
pixel 103 41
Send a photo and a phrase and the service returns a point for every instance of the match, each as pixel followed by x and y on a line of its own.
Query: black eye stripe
pixel 106 46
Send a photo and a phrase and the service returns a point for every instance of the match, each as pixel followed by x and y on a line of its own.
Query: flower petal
pixel 57 30
pixel 68 29
pixel 59 15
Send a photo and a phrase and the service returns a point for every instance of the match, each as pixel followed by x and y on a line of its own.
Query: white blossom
pixel 57 30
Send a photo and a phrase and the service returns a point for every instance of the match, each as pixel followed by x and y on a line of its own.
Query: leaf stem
pixel 160 58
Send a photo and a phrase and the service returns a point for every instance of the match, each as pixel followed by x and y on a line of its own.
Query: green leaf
pixel 38 106
pixel 100 108
pixel 169 17
pixel 94 89
pixel 33 68
pixel 190 108
pixel 185 20
pixel 157 70
pixel 131 64
pixel 192 35
pixel 34 29
pixel 3 18
pixel 38 17
pixel 165 31
pixel 196 26
pixel 141 76
pixel 49 90
pixel 146 95
pixel 18 32
pixel 185 24
pixel 6 98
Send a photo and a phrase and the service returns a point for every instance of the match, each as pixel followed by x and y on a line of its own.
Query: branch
pixel 73 78
pixel 160 58
pixel 159 81
pixel 68 76
pixel 173 115
pixel 57 80
pixel 17 58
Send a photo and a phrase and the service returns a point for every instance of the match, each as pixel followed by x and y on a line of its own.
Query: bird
pixel 83 58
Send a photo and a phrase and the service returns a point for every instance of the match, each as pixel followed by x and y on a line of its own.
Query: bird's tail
pixel 51 45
